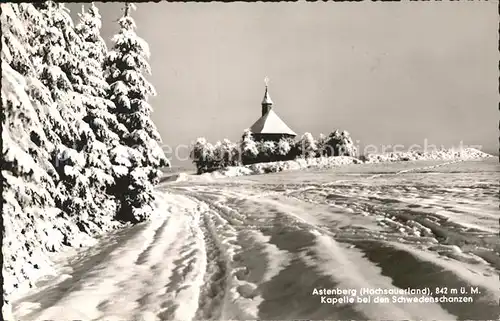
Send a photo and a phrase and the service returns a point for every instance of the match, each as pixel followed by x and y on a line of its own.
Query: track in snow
pixel 256 249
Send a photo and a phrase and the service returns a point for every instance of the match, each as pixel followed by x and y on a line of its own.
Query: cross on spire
pixel 128 8
pixel 266 102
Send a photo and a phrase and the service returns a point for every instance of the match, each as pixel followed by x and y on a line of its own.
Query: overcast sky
pixel 389 73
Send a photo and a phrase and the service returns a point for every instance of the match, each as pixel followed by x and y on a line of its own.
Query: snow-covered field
pixel 257 247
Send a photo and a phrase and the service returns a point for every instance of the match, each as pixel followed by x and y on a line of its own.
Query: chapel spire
pixel 267 103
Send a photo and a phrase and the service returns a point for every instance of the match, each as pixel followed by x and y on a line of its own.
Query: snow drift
pixel 243 251
pixel 329 162
pixel 297 164
pixel 264 168
pixel 443 154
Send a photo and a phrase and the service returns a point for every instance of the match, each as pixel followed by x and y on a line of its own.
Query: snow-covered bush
pixel 138 197
pixel 308 147
pixel 267 151
pixel 201 154
pixel 321 145
pixel 227 153
pixel 208 157
pixel 217 160
pixel 340 144
pixel 347 147
pixel 248 148
pixel 283 148
pixel 332 143
pixel 294 148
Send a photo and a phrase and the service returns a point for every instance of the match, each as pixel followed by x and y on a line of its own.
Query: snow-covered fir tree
pixel 125 66
pixel 64 150
pixel 64 72
pixel 23 99
pixel 94 51
pixel 107 158
pixel 32 222
pixel 58 59
pixel 129 90
pixel 33 23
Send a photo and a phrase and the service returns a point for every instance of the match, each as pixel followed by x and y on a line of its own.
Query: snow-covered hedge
pixel 208 157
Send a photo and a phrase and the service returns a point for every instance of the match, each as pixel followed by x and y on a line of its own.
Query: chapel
pixel 270 126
